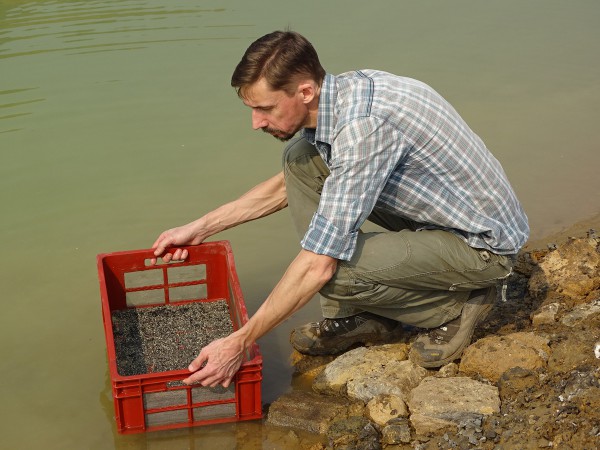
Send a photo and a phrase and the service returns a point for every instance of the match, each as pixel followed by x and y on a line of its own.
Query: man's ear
pixel 308 91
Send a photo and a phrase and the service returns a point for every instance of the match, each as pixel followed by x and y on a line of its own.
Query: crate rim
pixel 255 357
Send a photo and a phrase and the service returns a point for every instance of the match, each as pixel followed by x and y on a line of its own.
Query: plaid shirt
pixel 393 143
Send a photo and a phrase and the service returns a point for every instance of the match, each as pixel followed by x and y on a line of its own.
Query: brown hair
pixel 281 58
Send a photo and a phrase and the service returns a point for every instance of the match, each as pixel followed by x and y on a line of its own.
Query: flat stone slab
pixel 443 403
pixel 309 411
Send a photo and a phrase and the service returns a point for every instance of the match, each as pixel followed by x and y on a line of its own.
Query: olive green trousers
pixel 420 278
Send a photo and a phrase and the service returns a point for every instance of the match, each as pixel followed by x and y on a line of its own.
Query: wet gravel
pixel 164 338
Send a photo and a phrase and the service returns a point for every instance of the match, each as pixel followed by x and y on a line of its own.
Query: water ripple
pixel 37 37
pixel 49 27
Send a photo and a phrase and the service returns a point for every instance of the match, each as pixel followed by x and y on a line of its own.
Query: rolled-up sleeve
pixel 363 156
pixel 324 238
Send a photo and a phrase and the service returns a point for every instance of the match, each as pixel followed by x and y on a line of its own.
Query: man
pixel 371 146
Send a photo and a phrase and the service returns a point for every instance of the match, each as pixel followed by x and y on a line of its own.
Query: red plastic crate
pixel 155 401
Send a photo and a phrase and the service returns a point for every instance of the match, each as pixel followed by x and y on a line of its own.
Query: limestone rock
pixel 438 404
pixel 545 315
pixel 353 433
pixel 449 370
pixel 580 312
pixel 309 411
pixel 311 365
pixel 306 367
pixel 364 373
pixel 516 380
pixel 383 408
pixel 491 356
pixel 397 432
pixel 572 270
pixel 427 425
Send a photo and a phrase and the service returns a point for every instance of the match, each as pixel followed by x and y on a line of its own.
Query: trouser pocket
pixel 495 269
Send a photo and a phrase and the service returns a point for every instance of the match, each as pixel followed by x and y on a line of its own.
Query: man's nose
pixel 258 120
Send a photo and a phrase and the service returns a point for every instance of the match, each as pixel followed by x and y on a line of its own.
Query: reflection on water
pixel 82 27
pixel 77 28
pixel 117 121
pixel 8 107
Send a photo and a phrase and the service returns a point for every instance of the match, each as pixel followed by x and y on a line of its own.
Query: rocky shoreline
pixel 530 379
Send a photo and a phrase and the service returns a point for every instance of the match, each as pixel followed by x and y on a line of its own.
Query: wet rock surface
pixel 310 411
pixel 354 433
pixel 530 378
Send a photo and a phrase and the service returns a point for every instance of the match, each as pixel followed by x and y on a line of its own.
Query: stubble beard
pixel 280 134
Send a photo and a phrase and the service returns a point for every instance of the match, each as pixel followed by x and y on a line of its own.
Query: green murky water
pixel 117 121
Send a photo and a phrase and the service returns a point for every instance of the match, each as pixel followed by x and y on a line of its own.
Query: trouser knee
pixel 297 148
pixel 305 173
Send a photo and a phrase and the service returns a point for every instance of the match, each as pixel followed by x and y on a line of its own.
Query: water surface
pixel 117 121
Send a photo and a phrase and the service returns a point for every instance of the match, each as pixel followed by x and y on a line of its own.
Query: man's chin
pixel 279 135
pixel 283 138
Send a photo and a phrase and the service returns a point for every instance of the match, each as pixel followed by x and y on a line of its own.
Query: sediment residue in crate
pixel 169 337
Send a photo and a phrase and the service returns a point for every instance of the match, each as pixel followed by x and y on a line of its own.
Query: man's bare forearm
pixel 262 200
pixel 305 276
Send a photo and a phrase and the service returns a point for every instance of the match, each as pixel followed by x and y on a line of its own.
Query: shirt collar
pixel 325 118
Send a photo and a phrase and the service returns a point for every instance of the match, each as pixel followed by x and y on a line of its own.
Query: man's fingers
pixel 205 373
pixel 166 240
pixel 159 246
pixel 201 375
pixel 204 378
pixel 198 362
pixel 177 254
pixel 158 249
pixel 193 379
pixel 201 378
pixel 226 382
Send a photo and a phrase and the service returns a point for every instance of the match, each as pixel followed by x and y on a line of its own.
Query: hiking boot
pixel 332 336
pixel 446 343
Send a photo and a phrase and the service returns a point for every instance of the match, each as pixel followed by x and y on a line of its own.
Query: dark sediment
pixel 165 338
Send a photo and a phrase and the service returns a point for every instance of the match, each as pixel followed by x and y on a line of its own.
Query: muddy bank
pixel 530 379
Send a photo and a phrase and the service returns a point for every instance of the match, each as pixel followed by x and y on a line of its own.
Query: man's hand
pixel 184 235
pixel 217 363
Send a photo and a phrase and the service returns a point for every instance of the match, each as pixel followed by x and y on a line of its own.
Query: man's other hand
pixel 183 235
